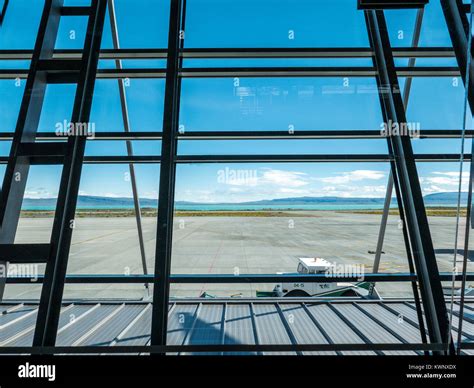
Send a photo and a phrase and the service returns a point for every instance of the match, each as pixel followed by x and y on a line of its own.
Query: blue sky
pixel 247 103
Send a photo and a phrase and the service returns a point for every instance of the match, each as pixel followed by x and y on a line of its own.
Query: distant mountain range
pixel 96 202
pixel 90 202
pixel 445 198
pixel 430 199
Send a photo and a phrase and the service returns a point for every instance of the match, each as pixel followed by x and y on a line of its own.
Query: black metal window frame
pixel 3 11
pixel 423 267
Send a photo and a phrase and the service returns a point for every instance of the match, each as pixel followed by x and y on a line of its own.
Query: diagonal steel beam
pixel 391 181
pixel 459 27
pixel 3 11
pixel 129 145
pixel 406 96
pixel 169 145
pixel 16 173
pixel 55 273
pixel 408 182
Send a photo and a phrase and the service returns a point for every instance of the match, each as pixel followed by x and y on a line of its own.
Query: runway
pixel 232 245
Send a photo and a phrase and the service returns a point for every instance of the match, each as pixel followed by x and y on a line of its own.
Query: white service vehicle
pixel 312 265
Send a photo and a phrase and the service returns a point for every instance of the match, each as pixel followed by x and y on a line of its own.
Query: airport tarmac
pixel 232 245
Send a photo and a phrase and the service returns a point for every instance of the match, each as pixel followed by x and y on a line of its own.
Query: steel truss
pixel 48 65
pixel 43 69
pixel 459 29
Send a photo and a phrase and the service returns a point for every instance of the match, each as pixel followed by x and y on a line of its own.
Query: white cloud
pixel 274 183
pixel 287 190
pixel 348 191
pixel 283 178
pixel 250 185
pixel 149 194
pixel 432 189
pixel 440 182
pixel 353 176
pixel 39 192
pixel 116 195
pixel 198 196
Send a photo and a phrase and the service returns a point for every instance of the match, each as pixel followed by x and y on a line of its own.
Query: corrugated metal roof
pixel 196 322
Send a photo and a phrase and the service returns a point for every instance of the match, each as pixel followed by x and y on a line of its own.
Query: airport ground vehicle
pixel 311 265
